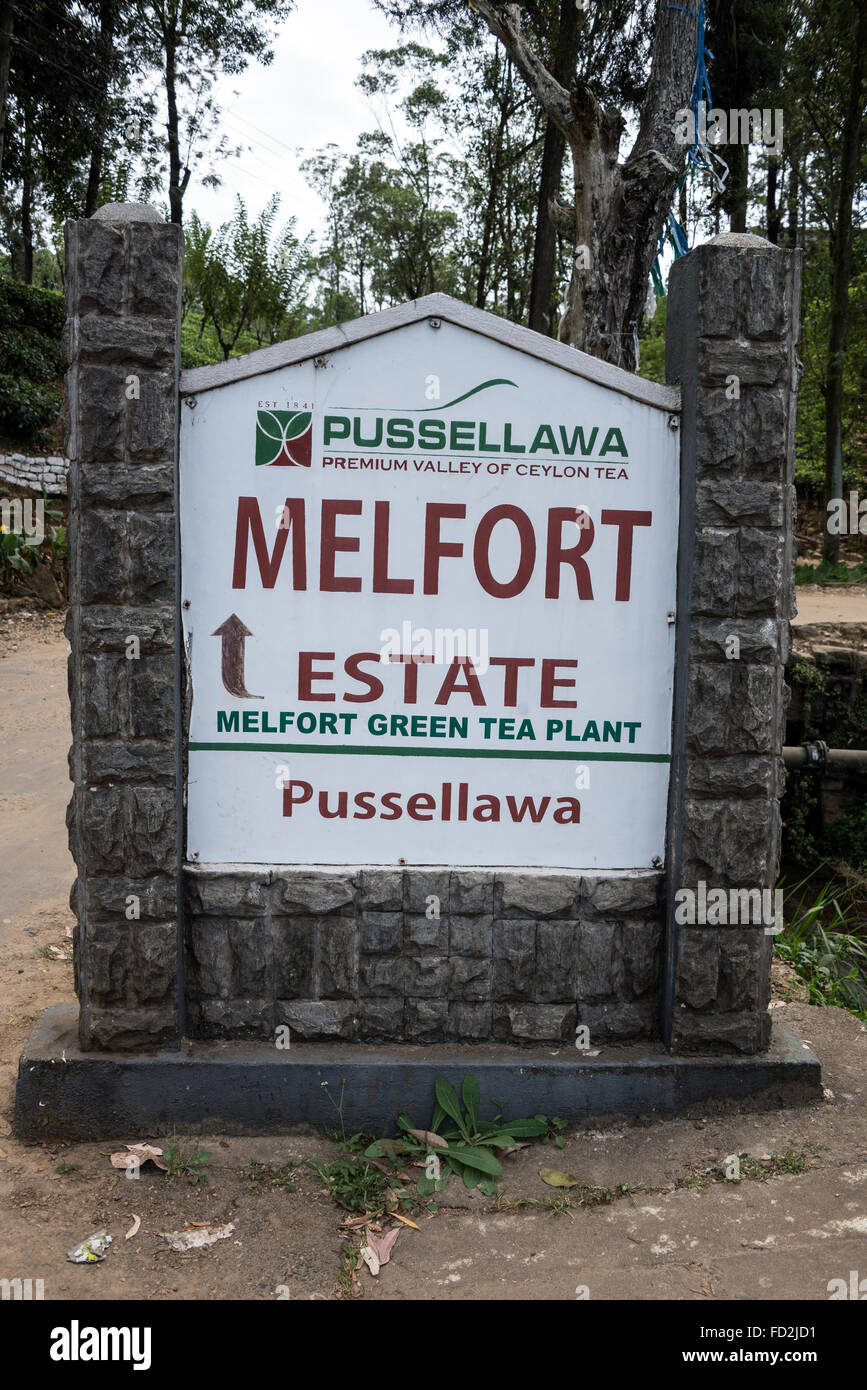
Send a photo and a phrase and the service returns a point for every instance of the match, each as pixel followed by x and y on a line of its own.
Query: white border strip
pixel 442 306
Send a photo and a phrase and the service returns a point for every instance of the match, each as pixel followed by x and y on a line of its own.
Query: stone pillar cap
pixel 126 212
pixel 740 239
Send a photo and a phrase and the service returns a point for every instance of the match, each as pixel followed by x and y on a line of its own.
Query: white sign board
pixel 428 586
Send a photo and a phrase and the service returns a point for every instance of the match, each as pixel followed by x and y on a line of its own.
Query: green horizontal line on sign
pixel 576 755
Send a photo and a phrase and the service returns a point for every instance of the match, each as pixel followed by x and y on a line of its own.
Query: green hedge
pixel 25 306
pixel 25 408
pixel 31 322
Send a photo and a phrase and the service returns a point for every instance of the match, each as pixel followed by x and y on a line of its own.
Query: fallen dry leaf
pixel 136 1155
pixel 406 1221
pixel 134 1228
pixel 427 1136
pixel 371 1259
pixel 555 1177
pixel 382 1246
pixel 147 1151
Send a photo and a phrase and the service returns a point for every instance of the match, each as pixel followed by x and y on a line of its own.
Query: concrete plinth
pixel 64 1093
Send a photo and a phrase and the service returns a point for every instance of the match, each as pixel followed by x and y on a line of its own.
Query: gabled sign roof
pixel 432 306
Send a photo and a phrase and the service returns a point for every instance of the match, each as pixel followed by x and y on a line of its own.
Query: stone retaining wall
pixel 32 474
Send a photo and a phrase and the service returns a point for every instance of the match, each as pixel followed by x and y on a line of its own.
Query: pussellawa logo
pixel 284 438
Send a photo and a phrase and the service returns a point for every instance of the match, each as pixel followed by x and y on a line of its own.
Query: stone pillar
pixel 122 344
pixel 731 344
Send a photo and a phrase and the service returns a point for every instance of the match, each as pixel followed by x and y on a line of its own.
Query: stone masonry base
pixel 255 1088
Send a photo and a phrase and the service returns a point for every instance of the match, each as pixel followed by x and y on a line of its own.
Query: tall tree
pixel 605 45
pixel 828 69
pixel 191 42
pixel 618 210
pixel 569 23
pixel 747 38
pixel 111 72
pixel 48 116
pixel 7 24
pixel 841 264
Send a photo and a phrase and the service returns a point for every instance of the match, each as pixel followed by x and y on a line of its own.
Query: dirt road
pixel 831 603
pixel 36 868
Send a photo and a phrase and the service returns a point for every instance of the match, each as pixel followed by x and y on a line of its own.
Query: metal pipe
pixel 818 757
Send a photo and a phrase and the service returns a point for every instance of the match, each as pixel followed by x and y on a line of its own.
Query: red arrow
pixel 234 634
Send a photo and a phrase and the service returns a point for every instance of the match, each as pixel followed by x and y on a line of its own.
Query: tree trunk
pixel 554 148
pixel 792 200
pixel 97 149
pixel 27 203
pixel 545 244
pixel 773 216
pixel 841 251
pixel 7 20
pixel 619 209
pixel 493 193
pixel 177 184
pixel 736 195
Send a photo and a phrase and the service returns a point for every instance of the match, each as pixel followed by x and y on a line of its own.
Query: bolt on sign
pixel 428 577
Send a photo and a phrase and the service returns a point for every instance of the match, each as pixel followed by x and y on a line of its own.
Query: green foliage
pixel 801 817
pixel 270 1176
pixel 828 710
pixel 451 207
pixel 25 306
pixel 815 321
pixel 831 573
pixel 31 321
pixel 352 1183
pixel 651 341
pixel 831 964
pixel 468 1144
pixel 186 1160
pixel 751 1169
pixel 390 223
pixel 20 554
pixel 29 353
pixel 555 1134
pixel 17 556
pixel 245 284
pixel 26 410
pixel 846 839
pixel 824 943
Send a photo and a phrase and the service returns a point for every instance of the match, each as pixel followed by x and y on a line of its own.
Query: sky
pixel 306 98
